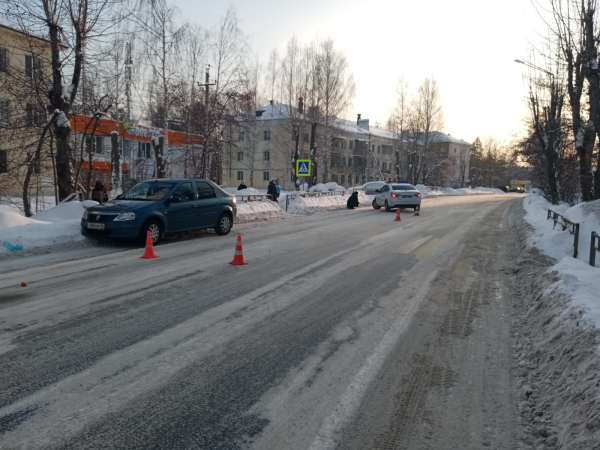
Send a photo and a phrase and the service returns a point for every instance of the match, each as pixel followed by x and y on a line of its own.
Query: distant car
pixel 504 188
pixel 399 195
pixel 162 207
pixel 372 187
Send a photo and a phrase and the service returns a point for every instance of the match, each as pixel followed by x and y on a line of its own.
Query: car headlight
pixel 125 216
pixel 85 214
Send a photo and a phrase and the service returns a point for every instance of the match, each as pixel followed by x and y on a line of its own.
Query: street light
pixel 528 64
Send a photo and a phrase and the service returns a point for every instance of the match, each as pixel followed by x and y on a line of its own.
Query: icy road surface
pixel 346 330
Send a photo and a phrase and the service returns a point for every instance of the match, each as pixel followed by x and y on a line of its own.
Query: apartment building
pixel 25 70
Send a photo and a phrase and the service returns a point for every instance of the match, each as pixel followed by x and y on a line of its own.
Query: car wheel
pixel 224 224
pixel 156 231
pixel 375 205
pixel 387 206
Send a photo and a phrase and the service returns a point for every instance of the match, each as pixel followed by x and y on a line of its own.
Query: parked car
pixel 162 207
pixel 372 187
pixel 504 188
pixel 399 195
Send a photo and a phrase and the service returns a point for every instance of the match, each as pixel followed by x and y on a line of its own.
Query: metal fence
pixel 566 224
pixel 594 247
pixel 252 197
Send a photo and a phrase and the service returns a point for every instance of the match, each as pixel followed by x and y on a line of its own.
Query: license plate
pixel 95 226
pixel 407 196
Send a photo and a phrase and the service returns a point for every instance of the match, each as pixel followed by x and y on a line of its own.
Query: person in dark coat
pixel 99 193
pixel 272 190
pixel 242 186
pixel 353 201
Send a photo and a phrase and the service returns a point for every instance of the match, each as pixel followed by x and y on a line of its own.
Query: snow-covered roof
pixel 438 136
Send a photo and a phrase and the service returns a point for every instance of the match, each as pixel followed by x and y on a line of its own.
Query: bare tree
pixel 571 24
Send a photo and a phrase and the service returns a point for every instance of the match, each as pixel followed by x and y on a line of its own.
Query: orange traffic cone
pixel 238 259
pixel 149 253
pixel 23 284
pixel 398 219
pixel 418 208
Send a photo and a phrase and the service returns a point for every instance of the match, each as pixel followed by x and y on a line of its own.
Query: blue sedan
pixel 162 207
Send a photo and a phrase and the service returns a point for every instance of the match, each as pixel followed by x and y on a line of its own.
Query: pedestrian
pixel 352 201
pixel 99 193
pixel 272 190
pixel 242 186
pixel 278 188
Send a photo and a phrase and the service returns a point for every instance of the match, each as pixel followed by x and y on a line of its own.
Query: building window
pixel 351 145
pixel 34 116
pixel 126 147
pixel 99 144
pixel 342 179
pixel 144 150
pixel 266 176
pixel 240 136
pixel 3 60
pixel 304 137
pixel 240 175
pixel 267 156
pixel 267 135
pixel 454 151
pixel 240 156
pixel 3 161
pixel 33 67
pixel 4 111
pixel 383 166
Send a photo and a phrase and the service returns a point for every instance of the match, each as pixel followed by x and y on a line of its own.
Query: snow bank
pixel 552 240
pixel 429 192
pixel 234 191
pixel 53 226
pixel 577 278
pixel 255 211
pixel 312 204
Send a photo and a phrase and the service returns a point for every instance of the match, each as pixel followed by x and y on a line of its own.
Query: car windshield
pixel 148 190
pixel 404 187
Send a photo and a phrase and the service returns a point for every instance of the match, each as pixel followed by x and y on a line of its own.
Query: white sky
pixel 469 46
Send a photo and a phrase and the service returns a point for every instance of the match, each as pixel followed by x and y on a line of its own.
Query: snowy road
pixel 345 330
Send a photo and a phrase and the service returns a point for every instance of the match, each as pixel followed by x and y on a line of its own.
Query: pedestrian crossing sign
pixel 303 168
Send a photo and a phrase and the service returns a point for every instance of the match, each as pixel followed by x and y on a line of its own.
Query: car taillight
pixel 418 195
pixel 395 195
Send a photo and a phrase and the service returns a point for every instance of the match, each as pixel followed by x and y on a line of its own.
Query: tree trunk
pixel 64 172
pixel 159 157
pixel 115 164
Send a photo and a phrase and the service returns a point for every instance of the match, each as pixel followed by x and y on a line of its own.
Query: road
pixel 345 330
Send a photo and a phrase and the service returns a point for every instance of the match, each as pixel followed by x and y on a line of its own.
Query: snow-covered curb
pixel 311 204
pixel 259 211
pixel 429 192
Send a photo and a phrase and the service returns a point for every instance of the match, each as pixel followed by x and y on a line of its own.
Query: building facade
pixel 262 145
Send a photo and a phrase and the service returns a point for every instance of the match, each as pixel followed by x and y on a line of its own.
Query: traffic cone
pixel 23 284
pixel 149 253
pixel 398 219
pixel 417 211
pixel 238 259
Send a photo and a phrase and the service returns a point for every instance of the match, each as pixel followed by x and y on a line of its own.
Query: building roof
pixel 443 138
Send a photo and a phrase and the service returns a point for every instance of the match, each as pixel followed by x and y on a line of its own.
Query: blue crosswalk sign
pixel 303 168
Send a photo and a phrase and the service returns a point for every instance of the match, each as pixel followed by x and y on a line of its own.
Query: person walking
pixel 242 186
pixel 99 193
pixel 278 188
pixel 352 201
pixel 272 190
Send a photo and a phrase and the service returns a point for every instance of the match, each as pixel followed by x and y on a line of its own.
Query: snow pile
pixel 556 336
pixel 53 226
pixel 326 187
pixel 234 191
pixel 312 204
pixel 577 278
pixel 255 211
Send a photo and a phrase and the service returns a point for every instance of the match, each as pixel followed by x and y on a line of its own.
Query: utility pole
pixel 206 84
pixel 296 151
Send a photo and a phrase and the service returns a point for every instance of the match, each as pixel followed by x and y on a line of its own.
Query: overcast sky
pixel 468 46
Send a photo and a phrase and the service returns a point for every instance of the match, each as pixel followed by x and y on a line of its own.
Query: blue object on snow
pixel 11 247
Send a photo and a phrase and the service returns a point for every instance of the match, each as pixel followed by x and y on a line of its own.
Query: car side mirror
pixel 174 199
